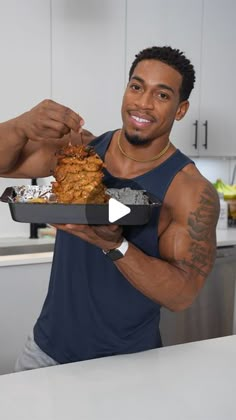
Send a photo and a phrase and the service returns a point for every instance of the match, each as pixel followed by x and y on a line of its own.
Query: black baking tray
pixel 89 214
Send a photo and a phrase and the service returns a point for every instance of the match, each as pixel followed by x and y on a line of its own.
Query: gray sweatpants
pixel 32 357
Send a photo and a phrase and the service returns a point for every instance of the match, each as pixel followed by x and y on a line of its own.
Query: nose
pixel 145 100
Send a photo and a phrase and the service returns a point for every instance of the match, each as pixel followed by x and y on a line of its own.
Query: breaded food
pixel 78 175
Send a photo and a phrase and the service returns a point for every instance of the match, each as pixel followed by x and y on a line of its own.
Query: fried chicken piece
pixel 78 175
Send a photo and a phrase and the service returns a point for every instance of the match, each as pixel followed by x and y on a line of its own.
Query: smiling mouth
pixel 140 120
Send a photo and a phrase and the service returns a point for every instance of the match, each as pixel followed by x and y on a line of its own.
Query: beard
pixel 136 140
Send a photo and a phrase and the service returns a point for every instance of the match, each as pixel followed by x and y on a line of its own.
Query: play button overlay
pixel 116 210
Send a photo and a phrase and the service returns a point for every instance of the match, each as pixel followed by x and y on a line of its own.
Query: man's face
pixel 151 101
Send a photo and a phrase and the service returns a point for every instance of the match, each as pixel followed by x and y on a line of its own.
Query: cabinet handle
pixel 196 134
pixel 206 134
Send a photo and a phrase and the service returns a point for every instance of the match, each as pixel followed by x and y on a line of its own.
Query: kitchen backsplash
pixel 213 168
pixel 209 167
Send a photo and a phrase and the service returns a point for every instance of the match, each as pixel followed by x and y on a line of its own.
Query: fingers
pixel 114 227
pixel 48 129
pixel 107 228
pixel 108 232
pixel 63 115
pixel 98 235
pixel 50 119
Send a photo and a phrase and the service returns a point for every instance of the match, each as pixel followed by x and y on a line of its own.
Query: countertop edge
pixel 225 237
pixel 25 259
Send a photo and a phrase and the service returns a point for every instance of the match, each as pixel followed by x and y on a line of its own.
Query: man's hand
pixel 105 237
pixel 28 142
pixel 48 120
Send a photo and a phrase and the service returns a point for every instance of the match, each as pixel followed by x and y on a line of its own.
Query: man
pixel 102 302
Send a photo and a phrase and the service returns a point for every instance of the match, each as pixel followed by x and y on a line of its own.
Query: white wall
pixel 25 74
pixel 74 52
pixel 88 59
pixel 214 168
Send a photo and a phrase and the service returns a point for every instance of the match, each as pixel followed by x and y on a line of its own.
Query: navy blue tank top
pixel 91 310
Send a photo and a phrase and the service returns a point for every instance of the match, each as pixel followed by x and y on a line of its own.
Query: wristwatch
pixel 117 253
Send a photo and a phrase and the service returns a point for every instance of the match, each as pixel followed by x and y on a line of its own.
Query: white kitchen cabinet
pixel 23 289
pixel 88 59
pixel 25 74
pixel 205 31
pixel 25 55
pixel 212 314
pixel 218 88
pixel 167 22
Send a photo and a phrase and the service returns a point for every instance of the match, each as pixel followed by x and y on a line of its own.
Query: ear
pixel 181 111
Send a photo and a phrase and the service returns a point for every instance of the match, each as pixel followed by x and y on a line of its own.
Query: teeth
pixel 141 120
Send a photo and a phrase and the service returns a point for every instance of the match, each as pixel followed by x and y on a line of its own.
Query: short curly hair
pixel 173 58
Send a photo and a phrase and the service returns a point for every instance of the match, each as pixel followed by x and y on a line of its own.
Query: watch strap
pixel 119 252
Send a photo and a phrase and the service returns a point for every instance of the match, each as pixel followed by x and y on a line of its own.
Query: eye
pixel 162 96
pixel 134 86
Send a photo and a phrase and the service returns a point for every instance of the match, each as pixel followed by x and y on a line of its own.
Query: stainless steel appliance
pixel 213 314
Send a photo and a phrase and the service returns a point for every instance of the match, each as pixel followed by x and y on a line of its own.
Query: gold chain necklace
pixel 140 160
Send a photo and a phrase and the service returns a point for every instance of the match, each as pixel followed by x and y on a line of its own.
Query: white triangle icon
pixel 116 210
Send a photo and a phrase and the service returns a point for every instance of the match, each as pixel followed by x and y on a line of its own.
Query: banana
pixel 229 191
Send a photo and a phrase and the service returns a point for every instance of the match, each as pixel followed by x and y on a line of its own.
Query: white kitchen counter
pixel 27 258
pixel 224 238
pixel 195 381
pixel 25 241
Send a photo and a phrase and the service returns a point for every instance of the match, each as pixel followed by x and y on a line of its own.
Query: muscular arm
pixel 187 244
pixel 38 160
pixel 12 141
pixel 35 160
pixel 28 143
pixel 187 247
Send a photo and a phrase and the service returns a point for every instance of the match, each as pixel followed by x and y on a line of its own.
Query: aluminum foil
pixel 26 193
pixel 128 196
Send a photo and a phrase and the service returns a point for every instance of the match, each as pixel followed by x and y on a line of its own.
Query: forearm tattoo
pixel 200 221
pixel 200 229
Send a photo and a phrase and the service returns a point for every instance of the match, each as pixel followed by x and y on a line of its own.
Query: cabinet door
pixel 25 55
pixel 25 74
pixel 23 289
pixel 212 313
pixel 218 88
pixel 88 66
pixel 178 24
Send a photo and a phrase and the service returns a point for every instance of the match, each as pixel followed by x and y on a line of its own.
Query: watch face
pixel 114 254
